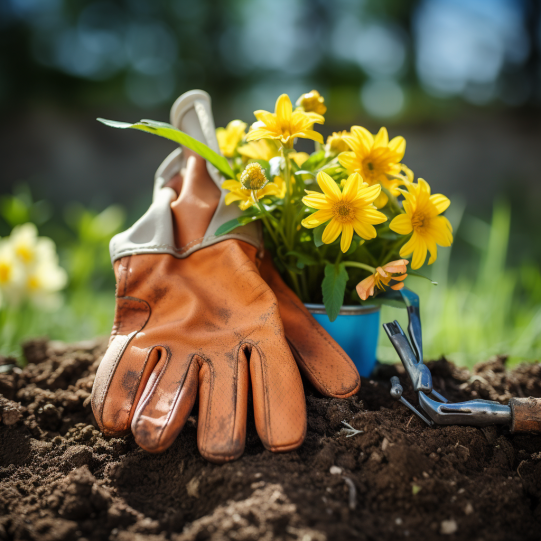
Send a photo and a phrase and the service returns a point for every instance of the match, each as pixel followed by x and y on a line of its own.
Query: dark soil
pixel 60 479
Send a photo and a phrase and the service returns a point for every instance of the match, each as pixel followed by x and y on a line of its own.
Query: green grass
pixel 495 311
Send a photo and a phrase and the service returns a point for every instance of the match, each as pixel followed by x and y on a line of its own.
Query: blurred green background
pixel 459 79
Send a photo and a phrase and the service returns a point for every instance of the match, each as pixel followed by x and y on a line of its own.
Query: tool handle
pixel 526 414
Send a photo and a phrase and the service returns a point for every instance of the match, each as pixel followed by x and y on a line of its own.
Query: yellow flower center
pixel 253 177
pixel 25 253
pixel 418 221
pixel 33 283
pixel 343 212
pixel 5 272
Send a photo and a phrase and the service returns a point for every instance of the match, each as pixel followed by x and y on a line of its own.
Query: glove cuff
pixel 153 233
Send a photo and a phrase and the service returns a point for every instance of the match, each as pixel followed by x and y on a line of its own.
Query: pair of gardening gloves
pixel 207 317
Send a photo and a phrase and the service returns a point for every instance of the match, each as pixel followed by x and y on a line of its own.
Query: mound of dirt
pixel 60 479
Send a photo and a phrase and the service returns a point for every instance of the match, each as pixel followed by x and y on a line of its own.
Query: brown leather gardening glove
pixel 195 318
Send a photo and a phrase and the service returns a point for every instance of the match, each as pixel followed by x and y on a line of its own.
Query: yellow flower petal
pixel 283 108
pixel 440 202
pixel 364 230
pixel 351 188
pixel 401 224
pixel 331 232
pixel 329 186
pixel 260 133
pixel 382 138
pixel 398 146
pixel 265 117
pixel 370 215
pixel 419 255
pixel 347 235
pixel 381 200
pixel 310 134
pixel 408 248
pixel 432 248
pixel 349 161
pixel 316 201
pixel 318 218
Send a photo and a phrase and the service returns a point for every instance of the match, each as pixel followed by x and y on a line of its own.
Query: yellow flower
pixel 253 177
pixel 422 218
pixel 259 150
pixel 348 210
pixel 374 158
pixel 244 196
pixel 382 277
pixel 312 102
pixel 299 157
pixel 230 136
pixel 336 142
pixel 285 124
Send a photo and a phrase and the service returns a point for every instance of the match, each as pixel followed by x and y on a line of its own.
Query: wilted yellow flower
pixel 312 102
pixel 263 149
pixel 382 277
pixel 422 218
pixel 336 142
pixel 348 210
pixel 244 196
pixel 374 158
pixel 230 136
pixel 253 177
pixel 285 124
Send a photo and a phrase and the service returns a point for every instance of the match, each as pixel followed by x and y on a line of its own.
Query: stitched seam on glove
pixel 183 249
pixel 112 369
pixel 315 326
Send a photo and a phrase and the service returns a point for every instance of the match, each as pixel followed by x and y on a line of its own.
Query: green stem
pixel 390 251
pixel 370 269
pixel 295 282
pixel 393 201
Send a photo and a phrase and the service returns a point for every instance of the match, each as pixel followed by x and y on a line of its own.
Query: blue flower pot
pixel 356 329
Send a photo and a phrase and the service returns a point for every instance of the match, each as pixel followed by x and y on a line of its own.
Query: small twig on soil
pixel 352 493
pixel 350 431
pixel 409 421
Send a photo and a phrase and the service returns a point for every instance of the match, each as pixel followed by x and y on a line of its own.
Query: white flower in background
pixel 43 283
pixel 11 273
pixel 29 248
pixel 29 269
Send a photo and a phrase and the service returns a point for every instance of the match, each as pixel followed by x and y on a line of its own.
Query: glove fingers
pixel 223 397
pixel 120 380
pixel 166 402
pixel 279 402
pixel 321 359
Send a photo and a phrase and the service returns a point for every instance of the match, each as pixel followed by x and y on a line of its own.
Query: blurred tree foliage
pixel 104 51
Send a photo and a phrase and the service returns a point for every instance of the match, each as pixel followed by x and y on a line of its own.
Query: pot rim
pixel 347 310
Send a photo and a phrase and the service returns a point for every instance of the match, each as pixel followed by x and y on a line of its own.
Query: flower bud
pixel 312 102
pixel 253 177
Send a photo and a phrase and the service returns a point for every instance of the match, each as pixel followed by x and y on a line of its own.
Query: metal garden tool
pixel 522 414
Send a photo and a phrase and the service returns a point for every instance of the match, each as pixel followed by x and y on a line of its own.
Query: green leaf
pixel 237 222
pixel 314 161
pixel 419 275
pixel 302 172
pixel 303 259
pixel 162 129
pixel 318 233
pixel 334 287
